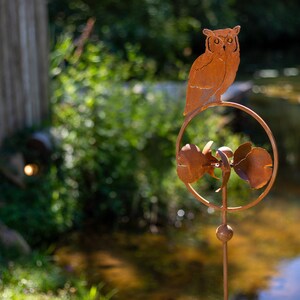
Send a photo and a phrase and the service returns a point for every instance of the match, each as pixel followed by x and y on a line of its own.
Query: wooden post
pixel 23 64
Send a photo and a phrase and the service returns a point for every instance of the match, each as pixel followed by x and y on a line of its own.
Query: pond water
pixel 186 263
pixel 285 285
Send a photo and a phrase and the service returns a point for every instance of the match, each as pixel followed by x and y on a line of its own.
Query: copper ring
pixel 270 136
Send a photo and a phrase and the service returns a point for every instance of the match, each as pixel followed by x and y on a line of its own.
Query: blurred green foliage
pixel 118 137
pixel 36 277
pixel 169 32
pixel 114 162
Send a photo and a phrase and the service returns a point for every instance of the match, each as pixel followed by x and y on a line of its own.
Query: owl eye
pixel 216 41
pixel 229 40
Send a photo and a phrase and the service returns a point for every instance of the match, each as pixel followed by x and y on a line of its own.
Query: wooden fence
pixel 23 64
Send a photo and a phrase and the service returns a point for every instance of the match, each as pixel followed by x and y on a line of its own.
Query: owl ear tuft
pixel 208 32
pixel 236 29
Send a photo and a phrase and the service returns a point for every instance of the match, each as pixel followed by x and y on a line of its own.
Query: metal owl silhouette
pixel 214 71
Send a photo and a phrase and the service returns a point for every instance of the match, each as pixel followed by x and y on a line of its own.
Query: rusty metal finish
pixel 252 164
pixel 210 76
pixel 214 71
pixel 192 164
pixel 269 134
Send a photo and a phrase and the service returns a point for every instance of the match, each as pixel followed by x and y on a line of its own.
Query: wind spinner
pixel 210 76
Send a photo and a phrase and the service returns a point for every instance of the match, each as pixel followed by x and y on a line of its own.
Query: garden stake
pixel 210 76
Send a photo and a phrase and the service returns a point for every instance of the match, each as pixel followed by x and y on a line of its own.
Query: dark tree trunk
pixel 23 64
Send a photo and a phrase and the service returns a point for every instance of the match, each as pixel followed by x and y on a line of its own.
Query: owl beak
pixel 224 47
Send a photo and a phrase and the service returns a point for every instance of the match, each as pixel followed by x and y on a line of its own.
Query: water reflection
pixel 285 285
pixel 186 263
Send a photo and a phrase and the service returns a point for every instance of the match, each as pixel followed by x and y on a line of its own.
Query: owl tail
pixel 195 98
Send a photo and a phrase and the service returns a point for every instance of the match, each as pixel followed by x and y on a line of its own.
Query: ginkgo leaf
pixel 241 152
pixel 190 163
pixel 226 150
pixel 253 165
pixel 210 160
pixel 207 147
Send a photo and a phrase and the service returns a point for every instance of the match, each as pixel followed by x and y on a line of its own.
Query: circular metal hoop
pixel 270 136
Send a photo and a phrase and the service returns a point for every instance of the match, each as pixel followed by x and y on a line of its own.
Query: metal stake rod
pixel 225 254
pixel 224 234
pixel 225 271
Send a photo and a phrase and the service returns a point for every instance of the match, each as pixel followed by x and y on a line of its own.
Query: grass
pixel 38 277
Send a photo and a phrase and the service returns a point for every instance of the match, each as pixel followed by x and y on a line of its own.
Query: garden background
pixel 99 213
